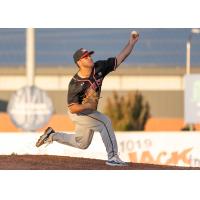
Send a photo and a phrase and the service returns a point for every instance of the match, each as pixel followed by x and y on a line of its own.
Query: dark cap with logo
pixel 81 53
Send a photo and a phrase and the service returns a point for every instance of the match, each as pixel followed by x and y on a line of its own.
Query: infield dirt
pixel 46 162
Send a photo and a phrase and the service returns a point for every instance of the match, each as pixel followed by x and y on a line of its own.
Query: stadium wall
pixel 179 149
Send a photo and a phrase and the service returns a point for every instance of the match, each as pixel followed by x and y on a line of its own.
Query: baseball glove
pixel 90 96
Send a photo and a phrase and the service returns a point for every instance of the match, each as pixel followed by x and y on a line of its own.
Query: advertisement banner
pixel 192 98
pixel 163 148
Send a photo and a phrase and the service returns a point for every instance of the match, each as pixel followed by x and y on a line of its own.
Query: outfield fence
pixel 163 148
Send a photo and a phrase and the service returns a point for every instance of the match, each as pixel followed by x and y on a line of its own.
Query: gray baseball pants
pixel 85 126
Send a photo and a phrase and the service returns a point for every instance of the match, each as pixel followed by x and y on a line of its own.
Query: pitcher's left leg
pixel 107 133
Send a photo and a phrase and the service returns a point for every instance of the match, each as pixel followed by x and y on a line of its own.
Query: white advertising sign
pixel 177 148
pixel 30 108
pixel 192 98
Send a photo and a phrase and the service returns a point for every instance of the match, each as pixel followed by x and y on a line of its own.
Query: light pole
pixel 188 49
pixel 188 53
pixel 30 56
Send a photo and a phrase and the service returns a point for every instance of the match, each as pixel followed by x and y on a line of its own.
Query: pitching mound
pixel 46 162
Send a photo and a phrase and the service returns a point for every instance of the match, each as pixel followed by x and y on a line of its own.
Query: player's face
pixel 86 61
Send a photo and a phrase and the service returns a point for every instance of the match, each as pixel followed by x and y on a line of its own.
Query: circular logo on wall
pixel 30 108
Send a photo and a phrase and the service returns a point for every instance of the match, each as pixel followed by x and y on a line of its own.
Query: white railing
pixel 112 82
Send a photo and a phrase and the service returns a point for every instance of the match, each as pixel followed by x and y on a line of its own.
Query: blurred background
pixel 145 93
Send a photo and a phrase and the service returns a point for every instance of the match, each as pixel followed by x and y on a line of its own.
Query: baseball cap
pixel 80 53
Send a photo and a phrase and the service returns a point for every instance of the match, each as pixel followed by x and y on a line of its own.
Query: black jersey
pixel 78 86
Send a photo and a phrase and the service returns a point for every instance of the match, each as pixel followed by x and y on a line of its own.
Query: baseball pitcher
pixel 83 95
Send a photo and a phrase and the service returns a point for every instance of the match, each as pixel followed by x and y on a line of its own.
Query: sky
pixel 164 47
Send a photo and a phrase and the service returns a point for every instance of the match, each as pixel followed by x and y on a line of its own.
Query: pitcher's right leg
pixel 81 139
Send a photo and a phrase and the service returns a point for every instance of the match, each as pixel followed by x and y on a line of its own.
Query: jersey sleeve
pixel 107 66
pixel 73 94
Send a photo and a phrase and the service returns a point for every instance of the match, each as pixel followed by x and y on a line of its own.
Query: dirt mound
pixel 46 162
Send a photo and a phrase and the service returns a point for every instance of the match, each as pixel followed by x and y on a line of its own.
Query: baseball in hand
pixel 134 34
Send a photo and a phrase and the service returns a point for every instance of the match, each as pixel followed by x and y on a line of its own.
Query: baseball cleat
pixel 116 161
pixel 45 138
